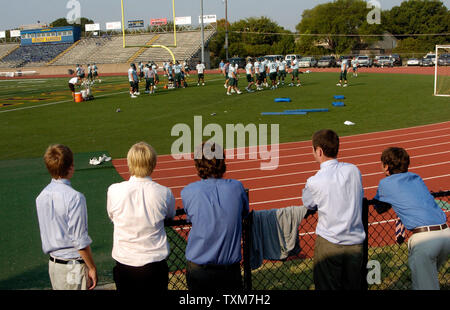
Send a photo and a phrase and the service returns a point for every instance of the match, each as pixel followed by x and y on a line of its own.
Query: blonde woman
pixel 138 208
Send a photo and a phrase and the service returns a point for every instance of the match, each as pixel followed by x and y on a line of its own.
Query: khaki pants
pixel 337 267
pixel 72 276
pixel 427 252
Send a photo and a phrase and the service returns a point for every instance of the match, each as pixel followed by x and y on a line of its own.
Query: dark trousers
pixel 151 277
pixel 337 267
pixel 213 277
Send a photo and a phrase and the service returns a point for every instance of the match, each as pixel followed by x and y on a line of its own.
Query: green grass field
pixel 373 101
pixel 36 113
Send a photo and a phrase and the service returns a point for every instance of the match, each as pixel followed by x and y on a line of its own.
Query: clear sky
pixel 286 13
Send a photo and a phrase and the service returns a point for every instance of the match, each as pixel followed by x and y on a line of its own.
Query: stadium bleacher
pixel 33 55
pixel 105 50
pixel 109 49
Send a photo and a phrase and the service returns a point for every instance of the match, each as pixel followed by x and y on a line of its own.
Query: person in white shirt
pixel 201 73
pixel 282 70
pixel 355 67
pixel 257 74
pixel 249 72
pixel 336 192
pixel 138 208
pixel 134 81
pixel 295 72
pixel 273 72
pixel 232 76
pixel 75 81
pixel 343 76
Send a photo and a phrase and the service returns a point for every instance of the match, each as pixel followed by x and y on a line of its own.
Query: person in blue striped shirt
pixel 62 216
pixel 406 192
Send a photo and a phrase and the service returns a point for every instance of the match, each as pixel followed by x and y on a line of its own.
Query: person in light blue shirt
pixel 215 207
pixel 429 245
pixel 62 216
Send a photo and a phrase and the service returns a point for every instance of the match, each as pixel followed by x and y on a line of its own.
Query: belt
pixel 429 228
pixel 65 262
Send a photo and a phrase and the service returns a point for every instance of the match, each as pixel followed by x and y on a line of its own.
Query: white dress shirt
pixel 138 208
pixel 337 193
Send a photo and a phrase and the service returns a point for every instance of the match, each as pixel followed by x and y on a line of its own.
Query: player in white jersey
pixel 249 72
pixel 256 66
pixel 95 73
pixel 232 83
pixel 282 64
pixel 75 81
pixel 266 65
pixel 154 67
pixel 343 76
pixel 262 72
pixel 201 73
pixel 355 67
pixel 90 73
pixel 133 78
pixel 273 72
pixel 295 72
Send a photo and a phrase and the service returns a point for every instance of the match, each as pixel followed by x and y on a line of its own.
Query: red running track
pixel 428 146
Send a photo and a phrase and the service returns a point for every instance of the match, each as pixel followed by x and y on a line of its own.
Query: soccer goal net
pixel 442 71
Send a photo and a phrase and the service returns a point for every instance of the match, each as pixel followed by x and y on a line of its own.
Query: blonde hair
pixel 141 160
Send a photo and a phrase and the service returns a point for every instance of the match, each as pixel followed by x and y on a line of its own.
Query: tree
pixel 418 17
pixel 252 37
pixel 333 21
pixel 62 22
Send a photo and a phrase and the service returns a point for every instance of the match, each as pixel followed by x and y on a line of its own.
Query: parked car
pixel 273 57
pixel 240 61
pixel 339 62
pixel 397 60
pixel 291 57
pixel 364 61
pixel 427 62
pixel 432 57
pixel 306 62
pixel 383 61
pixel 327 61
pixel 444 60
pixel 414 62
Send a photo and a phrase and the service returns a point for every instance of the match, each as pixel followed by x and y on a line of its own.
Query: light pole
pixel 203 32
pixel 226 29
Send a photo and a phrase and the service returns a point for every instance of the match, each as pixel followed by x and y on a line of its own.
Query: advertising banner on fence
pixel 92 27
pixel 158 21
pixel 2 34
pixel 207 19
pixel 136 23
pixel 182 21
pixel 15 33
pixel 114 26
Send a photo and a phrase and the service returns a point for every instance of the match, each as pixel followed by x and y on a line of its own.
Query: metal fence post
pixel 246 244
pixel 365 220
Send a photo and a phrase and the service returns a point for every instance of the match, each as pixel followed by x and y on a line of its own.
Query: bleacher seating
pixel 34 55
pixel 109 49
pixel 4 50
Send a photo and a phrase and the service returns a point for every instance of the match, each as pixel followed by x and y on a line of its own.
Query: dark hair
pixel 210 160
pixel 59 159
pixel 328 141
pixel 396 158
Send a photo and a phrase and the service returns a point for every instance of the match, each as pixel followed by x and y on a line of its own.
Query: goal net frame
pixel 436 70
pixel 166 47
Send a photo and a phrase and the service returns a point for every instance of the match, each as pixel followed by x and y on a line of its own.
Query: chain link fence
pixel 296 272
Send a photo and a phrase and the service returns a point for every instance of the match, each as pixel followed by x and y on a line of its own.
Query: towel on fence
pixel 275 234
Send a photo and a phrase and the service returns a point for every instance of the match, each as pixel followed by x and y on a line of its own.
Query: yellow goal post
pixel 166 47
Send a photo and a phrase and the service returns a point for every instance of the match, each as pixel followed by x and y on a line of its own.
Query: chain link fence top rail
pixel 296 272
